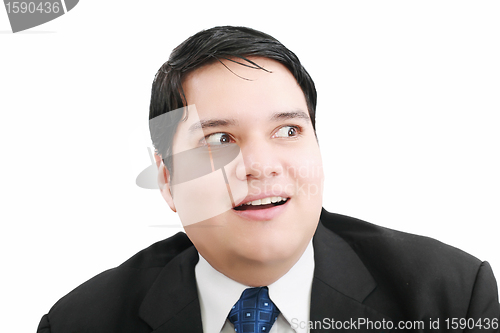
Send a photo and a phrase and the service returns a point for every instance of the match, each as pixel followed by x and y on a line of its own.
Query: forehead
pixel 230 87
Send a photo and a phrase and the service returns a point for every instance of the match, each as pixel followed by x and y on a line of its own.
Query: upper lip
pixel 250 198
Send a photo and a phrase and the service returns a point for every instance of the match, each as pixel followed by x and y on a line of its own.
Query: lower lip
pixel 262 214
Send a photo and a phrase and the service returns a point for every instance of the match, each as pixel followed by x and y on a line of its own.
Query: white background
pixel 408 123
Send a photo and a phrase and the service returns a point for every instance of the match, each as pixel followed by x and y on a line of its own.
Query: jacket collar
pixel 172 304
pixel 341 283
pixel 339 267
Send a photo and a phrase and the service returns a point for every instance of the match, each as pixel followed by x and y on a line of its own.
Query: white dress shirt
pixel 291 294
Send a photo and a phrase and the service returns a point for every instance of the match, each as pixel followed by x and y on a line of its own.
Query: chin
pixel 271 250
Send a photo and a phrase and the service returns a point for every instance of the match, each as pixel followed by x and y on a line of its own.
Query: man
pixel 232 118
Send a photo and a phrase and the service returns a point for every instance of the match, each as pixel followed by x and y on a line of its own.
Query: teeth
pixel 265 201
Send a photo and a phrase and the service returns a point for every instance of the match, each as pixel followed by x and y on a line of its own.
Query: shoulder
pixel 113 295
pixel 400 248
pixel 417 274
pixel 159 253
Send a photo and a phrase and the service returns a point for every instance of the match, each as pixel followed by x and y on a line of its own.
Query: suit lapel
pixel 341 283
pixel 172 304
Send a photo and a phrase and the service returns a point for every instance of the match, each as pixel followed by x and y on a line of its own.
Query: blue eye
pixel 287 132
pixel 218 139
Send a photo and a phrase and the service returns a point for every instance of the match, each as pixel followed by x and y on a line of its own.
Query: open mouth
pixel 263 203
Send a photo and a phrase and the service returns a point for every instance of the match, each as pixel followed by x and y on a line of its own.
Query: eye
pixel 287 132
pixel 218 138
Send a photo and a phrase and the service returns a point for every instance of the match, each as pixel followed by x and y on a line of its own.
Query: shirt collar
pixel 291 293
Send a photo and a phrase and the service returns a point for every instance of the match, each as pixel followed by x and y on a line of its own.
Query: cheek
pixel 210 195
pixel 202 198
pixel 306 173
pixel 208 236
pixel 306 170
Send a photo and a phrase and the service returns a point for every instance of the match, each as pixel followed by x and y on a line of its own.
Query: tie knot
pixel 254 312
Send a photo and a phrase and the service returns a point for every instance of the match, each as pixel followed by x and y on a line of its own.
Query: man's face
pixel 278 169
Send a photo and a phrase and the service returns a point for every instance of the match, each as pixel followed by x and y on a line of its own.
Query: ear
pixel 164 182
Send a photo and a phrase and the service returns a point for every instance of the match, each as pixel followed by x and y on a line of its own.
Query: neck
pixel 251 272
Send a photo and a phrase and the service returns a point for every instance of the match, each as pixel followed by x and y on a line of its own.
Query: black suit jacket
pixel 362 272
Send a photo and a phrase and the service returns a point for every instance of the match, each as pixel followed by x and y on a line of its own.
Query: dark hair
pixel 208 46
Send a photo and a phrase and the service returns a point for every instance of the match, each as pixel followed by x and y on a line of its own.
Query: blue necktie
pixel 254 312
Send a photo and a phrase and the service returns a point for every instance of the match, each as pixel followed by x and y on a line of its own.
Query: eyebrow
pixel 290 115
pixel 208 123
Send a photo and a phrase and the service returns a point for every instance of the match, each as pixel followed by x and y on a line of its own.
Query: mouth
pixel 260 204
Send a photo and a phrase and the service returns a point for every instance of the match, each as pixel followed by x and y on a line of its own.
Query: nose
pixel 260 160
